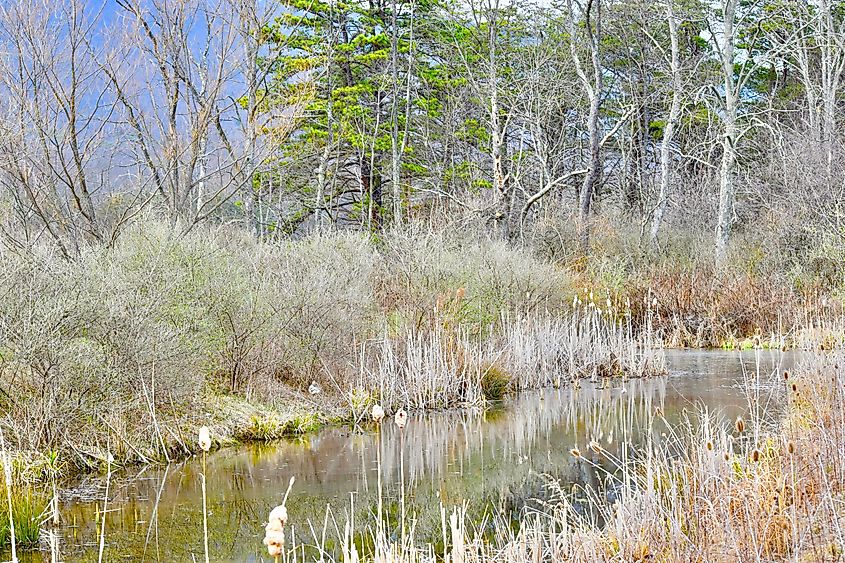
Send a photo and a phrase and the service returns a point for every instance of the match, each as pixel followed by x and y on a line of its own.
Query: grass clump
pixel 28 511
pixel 268 427
pixel 495 382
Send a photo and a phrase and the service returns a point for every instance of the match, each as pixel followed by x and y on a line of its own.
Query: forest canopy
pixel 677 118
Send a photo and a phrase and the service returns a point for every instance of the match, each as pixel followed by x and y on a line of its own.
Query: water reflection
pixel 496 459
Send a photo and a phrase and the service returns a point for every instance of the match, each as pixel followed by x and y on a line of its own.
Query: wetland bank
pixel 541 411
pixel 509 461
pixel 549 233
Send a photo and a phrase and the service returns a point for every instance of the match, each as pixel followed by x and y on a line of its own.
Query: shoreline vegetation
pixel 260 217
pixel 226 332
pixel 215 328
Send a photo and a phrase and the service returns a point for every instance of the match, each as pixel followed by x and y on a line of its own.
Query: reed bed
pixel 445 367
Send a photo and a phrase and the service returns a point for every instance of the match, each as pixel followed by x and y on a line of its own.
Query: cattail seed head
pixel 275 541
pixel 786 375
pixel 595 446
pixel 279 514
pixel 205 439
pixel 274 531
pixel 575 452
pixel 755 455
pixel 794 388
pixel 740 425
pixel 727 456
pixel 790 447
pixel 401 418
pixel 378 413
pixel 709 446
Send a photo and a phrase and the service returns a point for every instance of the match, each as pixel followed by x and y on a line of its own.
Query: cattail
pixel 274 536
pixel 794 388
pixel 709 446
pixel 205 445
pixel 378 413
pixel 790 447
pixel 786 375
pixel 401 418
pixel 755 455
pixel 205 439
pixel 727 456
pixel 595 446
pixel 575 452
pixel 740 425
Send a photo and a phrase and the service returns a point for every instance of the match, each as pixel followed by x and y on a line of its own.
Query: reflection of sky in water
pixel 495 459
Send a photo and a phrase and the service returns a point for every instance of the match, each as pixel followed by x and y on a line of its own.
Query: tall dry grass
pixel 444 368
pixel 779 278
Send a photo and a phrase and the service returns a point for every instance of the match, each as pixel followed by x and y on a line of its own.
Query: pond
pixel 497 460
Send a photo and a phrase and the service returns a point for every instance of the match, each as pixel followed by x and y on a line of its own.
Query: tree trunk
pixel 727 172
pixel 669 130
pixel 591 179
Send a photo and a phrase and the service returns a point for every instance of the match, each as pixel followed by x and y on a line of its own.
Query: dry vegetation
pixel 131 347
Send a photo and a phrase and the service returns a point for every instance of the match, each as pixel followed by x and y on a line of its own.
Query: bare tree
pixel 195 103
pixel 55 147
pixel 724 39
pixel 593 85
pixel 674 60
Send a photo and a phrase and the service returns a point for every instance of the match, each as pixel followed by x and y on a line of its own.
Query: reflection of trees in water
pixel 486 457
pixel 501 458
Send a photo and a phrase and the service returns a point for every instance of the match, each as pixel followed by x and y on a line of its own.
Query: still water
pixel 498 460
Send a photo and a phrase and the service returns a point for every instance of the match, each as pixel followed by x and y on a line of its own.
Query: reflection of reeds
pixel 205 445
pixel 109 459
pixel 689 496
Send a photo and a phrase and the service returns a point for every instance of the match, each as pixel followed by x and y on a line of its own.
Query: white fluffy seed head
pixel 205 439
pixel 378 413
pixel 280 514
